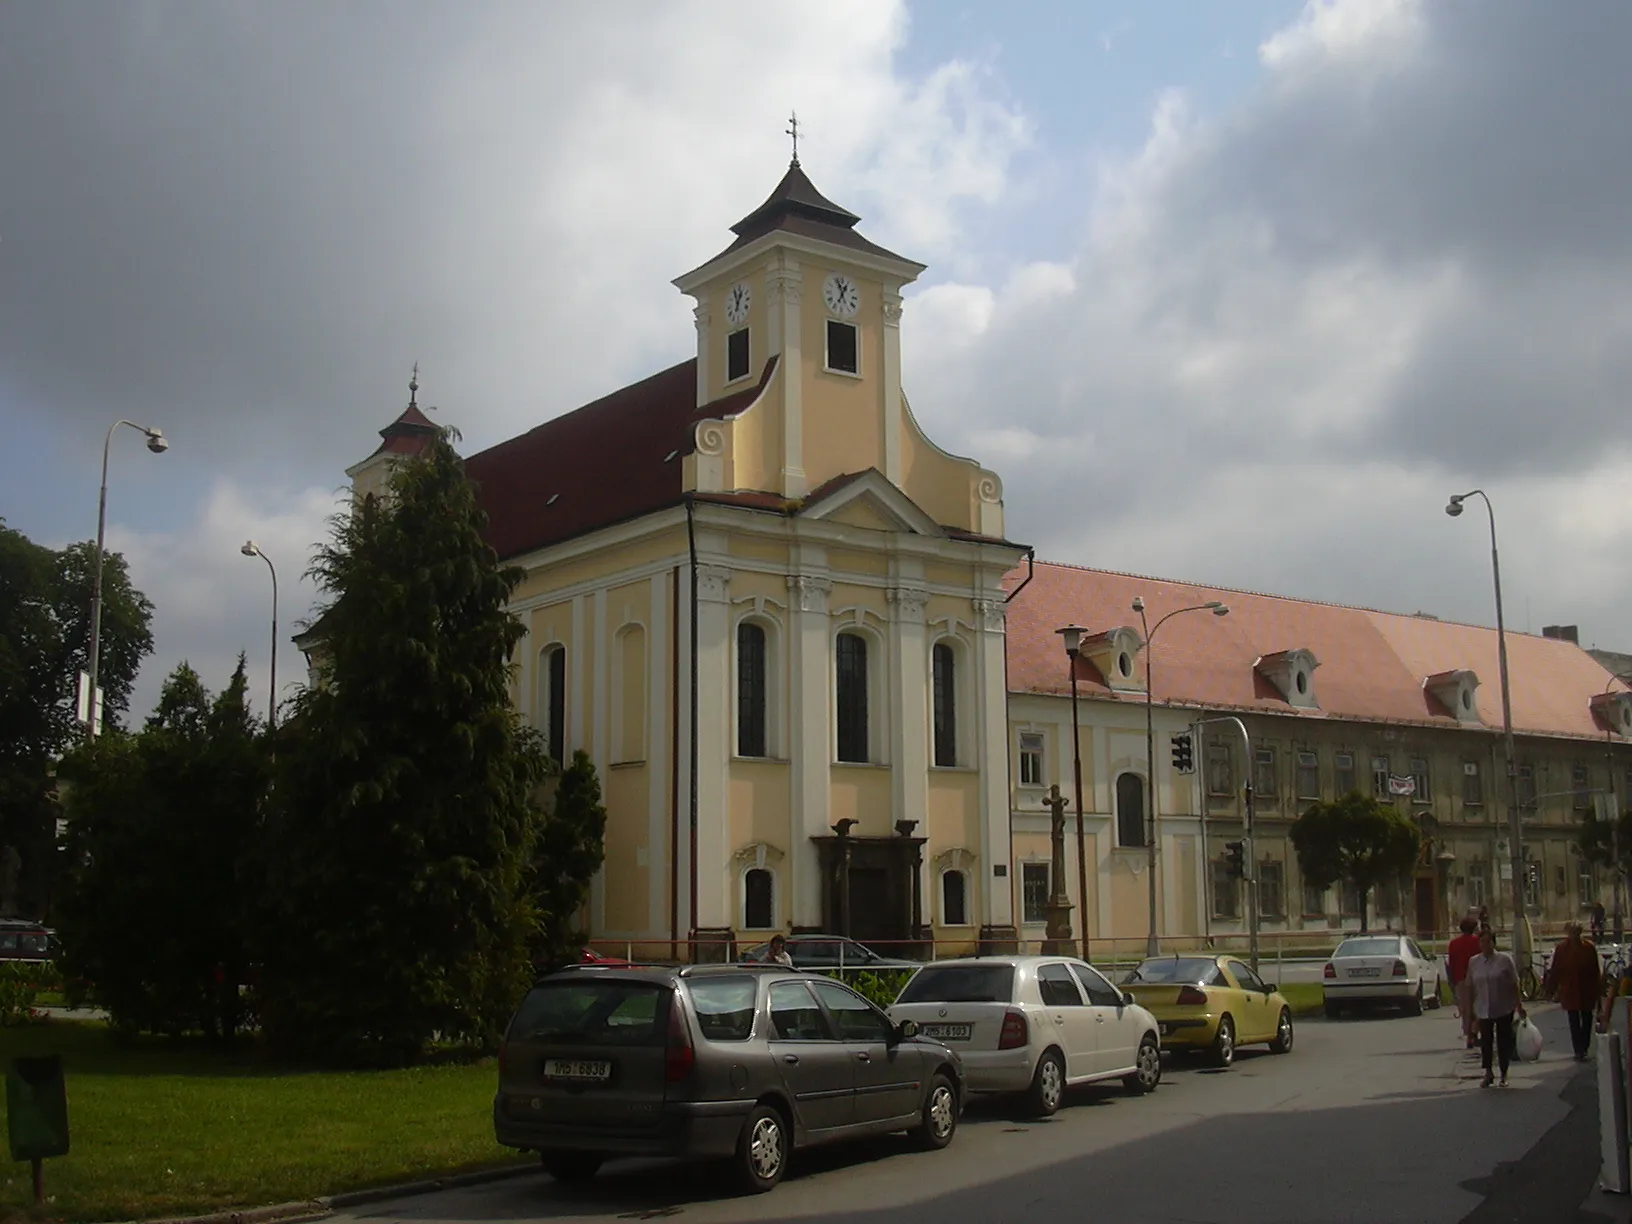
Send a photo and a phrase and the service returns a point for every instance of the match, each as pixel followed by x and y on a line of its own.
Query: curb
pixel 301 1211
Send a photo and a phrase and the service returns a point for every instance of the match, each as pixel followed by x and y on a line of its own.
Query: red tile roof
pixel 1372 664
pixel 408 434
pixel 611 460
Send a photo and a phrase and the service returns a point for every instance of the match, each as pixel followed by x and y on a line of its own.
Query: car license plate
pixel 578 1070
pixel 1365 972
pixel 946 1032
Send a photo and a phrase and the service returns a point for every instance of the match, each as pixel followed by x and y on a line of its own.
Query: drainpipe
pixel 691 545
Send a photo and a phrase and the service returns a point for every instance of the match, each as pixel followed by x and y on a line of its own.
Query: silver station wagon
pixel 731 1062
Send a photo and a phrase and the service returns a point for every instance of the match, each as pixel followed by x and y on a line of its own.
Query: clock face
pixel 737 303
pixel 841 295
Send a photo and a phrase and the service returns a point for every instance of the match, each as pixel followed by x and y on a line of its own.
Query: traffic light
pixel 1184 753
pixel 1235 857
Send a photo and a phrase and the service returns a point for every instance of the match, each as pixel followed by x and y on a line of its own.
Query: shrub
pixel 20 985
pixel 877 986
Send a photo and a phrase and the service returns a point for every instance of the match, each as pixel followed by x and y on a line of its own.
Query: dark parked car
pixel 739 1063
pixel 26 941
pixel 830 952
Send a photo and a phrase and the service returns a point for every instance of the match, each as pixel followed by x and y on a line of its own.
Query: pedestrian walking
pixel 1495 999
pixel 1577 977
pixel 1460 951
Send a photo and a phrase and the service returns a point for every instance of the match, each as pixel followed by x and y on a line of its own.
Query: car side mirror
pixel 1270 988
pixel 906 1030
pixel 1127 998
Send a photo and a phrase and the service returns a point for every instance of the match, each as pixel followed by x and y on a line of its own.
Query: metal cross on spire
pixel 413 387
pixel 793 130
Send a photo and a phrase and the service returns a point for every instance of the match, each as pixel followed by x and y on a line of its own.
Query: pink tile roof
pixel 1372 664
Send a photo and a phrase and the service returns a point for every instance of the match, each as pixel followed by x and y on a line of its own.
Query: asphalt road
pixel 1374 1119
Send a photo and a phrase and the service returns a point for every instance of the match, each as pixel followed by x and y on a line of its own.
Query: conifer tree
pixel 401 824
pixel 569 852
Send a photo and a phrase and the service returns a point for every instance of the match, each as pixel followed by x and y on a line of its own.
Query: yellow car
pixel 1211 1004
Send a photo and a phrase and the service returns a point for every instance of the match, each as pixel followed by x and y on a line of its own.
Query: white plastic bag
pixel 1527 1040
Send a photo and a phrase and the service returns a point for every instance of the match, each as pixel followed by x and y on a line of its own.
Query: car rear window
pixel 1185 970
pixel 960 984
pixel 1367 947
pixel 599 1012
pixel 725 1007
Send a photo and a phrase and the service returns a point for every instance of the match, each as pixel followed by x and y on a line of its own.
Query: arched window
pixel 756 899
pixel 1130 810
pixel 851 704
pixel 552 705
pixel 751 705
pixel 954 898
pixel 944 665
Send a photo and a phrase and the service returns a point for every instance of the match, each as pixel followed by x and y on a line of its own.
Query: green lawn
pixel 164 1128
pixel 1305 998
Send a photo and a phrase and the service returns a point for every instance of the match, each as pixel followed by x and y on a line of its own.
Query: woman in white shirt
pixel 1495 981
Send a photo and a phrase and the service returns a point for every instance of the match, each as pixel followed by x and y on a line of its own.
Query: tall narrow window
pixel 736 355
pixel 756 899
pixel 554 704
pixel 851 666
pixel 946 705
pixel 1265 774
pixel 1226 891
pixel 1419 779
pixel 1473 787
pixel 1031 758
pixel 1379 778
pixel 954 898
pixel 750 690
pixel 1308 775
pixel 1343 774
pixel 1271 889
pixel 1581 786
pixel 1130 810
pixel 1220 775
pixel 1525 786
pixel 842 347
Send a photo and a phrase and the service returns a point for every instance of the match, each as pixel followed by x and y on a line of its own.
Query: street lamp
pixel 1521 934
pixel 1217 608
pixel 158 444
pixel 1614 809
pixel 252 549
pixel 1072 637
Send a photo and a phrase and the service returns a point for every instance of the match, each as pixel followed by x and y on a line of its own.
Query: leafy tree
pixel 1355 839
pixel 160 823
pixel 569 851
pixel 45 609
pixel 401 824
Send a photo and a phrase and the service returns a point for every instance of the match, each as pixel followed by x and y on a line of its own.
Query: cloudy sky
pixel 1229 293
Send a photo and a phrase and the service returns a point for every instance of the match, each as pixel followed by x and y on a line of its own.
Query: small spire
pixel 793 130
pixel 413 387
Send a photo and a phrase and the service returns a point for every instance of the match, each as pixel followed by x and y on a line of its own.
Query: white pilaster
pixel 809 743
pixel 714 908
pixel 578 661
pixel 890 418
pixel 659 760
pixel 909 716
pixel 682 762
pixel 601 666
pixel 992 750
pixel 783 285
pixel 700 315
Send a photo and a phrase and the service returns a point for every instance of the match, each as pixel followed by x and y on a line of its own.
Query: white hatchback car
pixel 1389 970
pixel 1033 1024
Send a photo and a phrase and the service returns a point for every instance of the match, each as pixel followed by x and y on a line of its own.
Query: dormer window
pixel 1458 692
pixel 736 355
pixel 1293 673
pixel 1614 711
pixel 1115 653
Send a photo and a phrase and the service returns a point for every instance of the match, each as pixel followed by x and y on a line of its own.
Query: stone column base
pixel 713 946
pixel 999 940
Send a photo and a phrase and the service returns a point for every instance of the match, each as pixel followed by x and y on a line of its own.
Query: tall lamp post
pixel 1615 811
pixel 1072 637
pixel 1217 608
pixel 158 444
pixel 1521 934
pixel 252 549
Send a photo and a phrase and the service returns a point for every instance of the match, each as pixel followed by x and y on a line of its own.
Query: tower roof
pixel 408 434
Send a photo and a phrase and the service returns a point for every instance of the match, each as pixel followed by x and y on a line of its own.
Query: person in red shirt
pixel 1463 949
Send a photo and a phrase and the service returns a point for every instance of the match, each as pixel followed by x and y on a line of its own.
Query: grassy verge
pixel 169 1128
pixel 1305 998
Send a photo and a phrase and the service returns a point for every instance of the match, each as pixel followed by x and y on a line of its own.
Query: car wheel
pixel 939 1116
pixel 762 1150
pixel 1413 1006
pixel 1047 1085
pixel 1147 1068
pixel 571 1166
pixel 1223 1051
pixel 1283 1034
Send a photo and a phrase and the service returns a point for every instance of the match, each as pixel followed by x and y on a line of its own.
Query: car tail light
pixel 1399 968
pixel 1192 996
pixel 1014 1034
pixel 680 1056
pixel 1330 971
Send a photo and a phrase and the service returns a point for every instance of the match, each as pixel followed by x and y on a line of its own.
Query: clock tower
pixel 804 312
